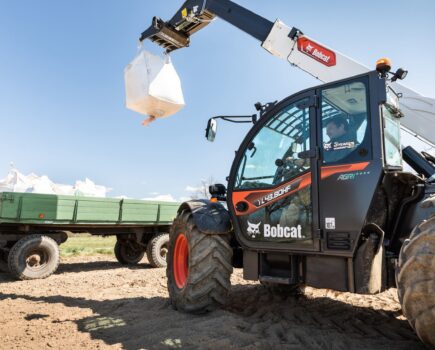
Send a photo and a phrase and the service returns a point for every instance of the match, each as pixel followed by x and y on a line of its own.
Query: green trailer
pixel 32 226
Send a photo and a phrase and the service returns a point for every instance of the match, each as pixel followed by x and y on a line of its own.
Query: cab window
pixel 392 149
pixel 272 156
pixel 345 123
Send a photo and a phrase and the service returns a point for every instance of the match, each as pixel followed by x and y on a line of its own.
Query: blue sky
pixel 62 91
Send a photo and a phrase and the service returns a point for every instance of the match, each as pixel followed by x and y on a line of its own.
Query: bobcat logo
pixel 253 229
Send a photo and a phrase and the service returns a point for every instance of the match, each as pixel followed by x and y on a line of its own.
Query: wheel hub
pixel 36 260
pixel 132 251
pixel 180 263
pixel 164 251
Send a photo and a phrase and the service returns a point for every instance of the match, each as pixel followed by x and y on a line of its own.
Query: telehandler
pixel 317 194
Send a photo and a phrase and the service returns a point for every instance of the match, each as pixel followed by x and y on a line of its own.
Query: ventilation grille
pixel 338 241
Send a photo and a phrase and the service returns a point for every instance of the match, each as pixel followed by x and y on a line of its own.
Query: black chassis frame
pixel 336 268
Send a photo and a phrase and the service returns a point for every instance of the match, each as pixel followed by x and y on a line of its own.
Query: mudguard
pixel 210 217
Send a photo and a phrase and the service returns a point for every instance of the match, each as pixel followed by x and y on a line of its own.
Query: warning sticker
pixel 330 223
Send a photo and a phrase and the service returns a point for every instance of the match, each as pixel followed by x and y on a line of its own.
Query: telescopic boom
pixel 288 43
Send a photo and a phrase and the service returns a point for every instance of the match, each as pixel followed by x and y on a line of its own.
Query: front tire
pixel 34 257
pixel 199 267
pixel 128 252
pixel 416 280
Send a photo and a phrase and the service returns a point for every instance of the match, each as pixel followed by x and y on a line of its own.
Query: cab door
pixel 350 159
pixel 273 181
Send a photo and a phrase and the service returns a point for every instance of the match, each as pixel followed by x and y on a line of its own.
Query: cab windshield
pixel 272 156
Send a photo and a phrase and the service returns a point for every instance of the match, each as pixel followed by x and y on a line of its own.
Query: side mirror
pixel 210 132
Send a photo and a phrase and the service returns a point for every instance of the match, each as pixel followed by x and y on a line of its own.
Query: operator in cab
pixel 341 143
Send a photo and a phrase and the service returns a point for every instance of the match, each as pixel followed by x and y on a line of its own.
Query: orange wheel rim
pixel 181 266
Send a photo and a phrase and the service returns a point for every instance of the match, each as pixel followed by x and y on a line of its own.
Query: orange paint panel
pixel 251 196
pixel 328 171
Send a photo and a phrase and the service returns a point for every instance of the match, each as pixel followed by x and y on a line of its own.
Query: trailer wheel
pixel 199 267
pixel 128 252
pixel 4 260
pixel 33 257
pixel 415 278
pixel 157 250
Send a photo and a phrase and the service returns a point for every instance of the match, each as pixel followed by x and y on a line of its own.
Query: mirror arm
pixel 239 119
pixel 229 118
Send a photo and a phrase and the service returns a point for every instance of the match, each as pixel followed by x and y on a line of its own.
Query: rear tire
pixel 157 250
pixel 128 252
pixel 416 280
pixel 33 257
pixel 199 267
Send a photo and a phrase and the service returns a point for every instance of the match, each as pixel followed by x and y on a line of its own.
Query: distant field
pixel 87 245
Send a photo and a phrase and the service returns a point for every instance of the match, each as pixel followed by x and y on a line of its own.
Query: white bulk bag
pixel 153 86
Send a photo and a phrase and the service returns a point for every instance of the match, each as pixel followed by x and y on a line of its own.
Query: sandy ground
pixel 93 303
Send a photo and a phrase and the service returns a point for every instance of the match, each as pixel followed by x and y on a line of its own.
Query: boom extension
pixel 196 14
pixel 275 37
pixel 289 44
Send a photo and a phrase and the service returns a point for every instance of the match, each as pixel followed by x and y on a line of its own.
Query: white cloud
pixel 193 189
pixel 162 198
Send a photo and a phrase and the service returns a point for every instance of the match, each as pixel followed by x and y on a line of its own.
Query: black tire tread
pixel 210 268
pixel 120 256
pixel 13 257
pixel 153 255
pixel 416 280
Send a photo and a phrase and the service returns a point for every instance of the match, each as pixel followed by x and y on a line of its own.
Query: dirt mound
pixel 94 303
